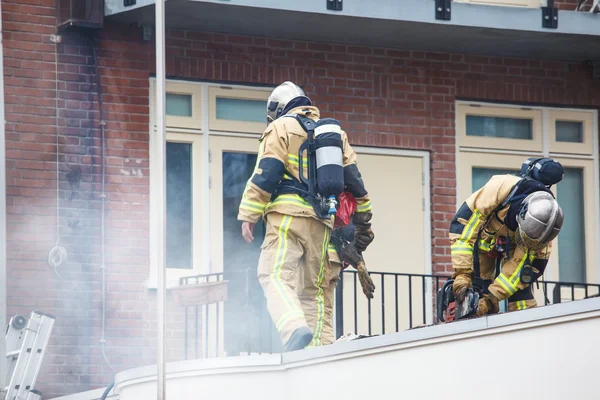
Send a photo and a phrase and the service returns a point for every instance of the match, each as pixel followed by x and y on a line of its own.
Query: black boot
pixel 300 338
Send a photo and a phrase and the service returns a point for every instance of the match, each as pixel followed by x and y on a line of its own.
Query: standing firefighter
pixel 510 221
pixel 304 163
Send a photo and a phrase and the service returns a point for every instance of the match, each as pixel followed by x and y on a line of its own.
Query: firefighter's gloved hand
pixel 350 254
pixel 363 238
pixel 363 234
pixel 462 283
pixel 362 219
pixel 366 282
pixel 488 304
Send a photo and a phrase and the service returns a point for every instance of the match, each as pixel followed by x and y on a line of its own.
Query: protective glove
pixel 363 238
pixel 362 219
pixel 350 254
pixel 366 282
pixel 363 234
pixel 461 285
pixel 488 304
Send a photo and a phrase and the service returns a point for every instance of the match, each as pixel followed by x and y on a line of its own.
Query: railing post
pixel 339 307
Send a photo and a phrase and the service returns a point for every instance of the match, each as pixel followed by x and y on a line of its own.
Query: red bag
pixel 346 207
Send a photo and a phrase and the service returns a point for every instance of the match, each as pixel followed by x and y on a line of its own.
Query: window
pixel 496 139
pixel 501 128
pixel 571 246
pixel 238 110
pixel 183 104
pixel 571 132
pixel 184 207
pixel 197 114
pixel 179 205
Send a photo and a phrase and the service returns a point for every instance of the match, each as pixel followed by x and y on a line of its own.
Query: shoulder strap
pixel 307 124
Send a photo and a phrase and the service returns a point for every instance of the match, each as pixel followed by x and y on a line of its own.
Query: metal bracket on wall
pixel 442 9
pixel 127 3
pixel 335 5
pixel 549 15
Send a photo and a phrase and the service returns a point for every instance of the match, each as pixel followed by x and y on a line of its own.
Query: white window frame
pixel 574 156
pixel 216 124
pixel 585 148
pixel 533 144
pixel 196 130
pixel 186 88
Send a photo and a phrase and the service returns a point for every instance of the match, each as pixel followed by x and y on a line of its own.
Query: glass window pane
pixel 179 105
pixel 571 239
pixel 569 131
pixel 500 127
pixel 480 176
pixel 179 205
pixel 241 110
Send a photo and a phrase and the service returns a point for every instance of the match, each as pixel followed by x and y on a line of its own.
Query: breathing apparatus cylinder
pixel 329 160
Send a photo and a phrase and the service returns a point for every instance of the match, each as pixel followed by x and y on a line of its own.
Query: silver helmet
pixel 539 219
pixel 280 97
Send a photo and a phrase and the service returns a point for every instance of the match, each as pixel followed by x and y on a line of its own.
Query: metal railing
pixel 417 293
pixel 206 321
pixel 402 301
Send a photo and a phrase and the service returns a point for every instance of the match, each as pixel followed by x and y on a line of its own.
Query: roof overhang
pixel 406 24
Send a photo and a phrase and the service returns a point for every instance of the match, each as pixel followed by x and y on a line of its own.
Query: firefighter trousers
pixel 335 268
pixel 293 269
pixel 508 284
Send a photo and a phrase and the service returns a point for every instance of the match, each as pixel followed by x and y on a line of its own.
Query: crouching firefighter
pixel 304 163
pixel 501 240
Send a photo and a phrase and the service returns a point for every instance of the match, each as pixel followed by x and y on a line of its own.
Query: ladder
pixel 26 342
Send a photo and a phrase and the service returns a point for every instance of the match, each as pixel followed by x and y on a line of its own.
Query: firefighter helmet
pixel 539 220
pixel 280 97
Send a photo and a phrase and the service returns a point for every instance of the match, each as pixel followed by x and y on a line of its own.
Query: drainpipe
pixel 3 257
pixel 159 208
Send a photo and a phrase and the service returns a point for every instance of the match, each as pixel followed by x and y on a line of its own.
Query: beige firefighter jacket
pixel 278 153
pixel 481 204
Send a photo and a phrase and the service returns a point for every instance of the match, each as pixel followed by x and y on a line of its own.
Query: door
pixel 396 182
pixel 247 324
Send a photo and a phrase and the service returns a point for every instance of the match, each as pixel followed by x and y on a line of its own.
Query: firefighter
pixel 512 219
pixel 293 266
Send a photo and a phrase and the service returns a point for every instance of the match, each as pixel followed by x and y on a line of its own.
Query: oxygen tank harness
pixel 325 181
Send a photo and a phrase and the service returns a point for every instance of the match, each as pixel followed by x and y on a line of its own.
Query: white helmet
pixel 540 220
pixel 280 97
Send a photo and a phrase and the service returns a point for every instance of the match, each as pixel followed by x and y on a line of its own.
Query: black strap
pixel 327 142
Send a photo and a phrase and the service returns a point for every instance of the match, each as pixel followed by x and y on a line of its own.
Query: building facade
pixel 430 126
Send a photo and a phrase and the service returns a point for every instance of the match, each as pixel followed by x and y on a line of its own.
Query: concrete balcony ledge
pixel 402 24
pixel 554 346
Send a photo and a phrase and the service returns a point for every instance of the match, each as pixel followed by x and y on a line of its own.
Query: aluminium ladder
pixel 26 343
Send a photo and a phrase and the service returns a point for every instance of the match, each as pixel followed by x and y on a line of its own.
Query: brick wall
pixel 571 5
pixel 45 110
pixel 383 97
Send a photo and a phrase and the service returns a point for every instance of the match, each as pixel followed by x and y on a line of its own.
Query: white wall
pixel 550 353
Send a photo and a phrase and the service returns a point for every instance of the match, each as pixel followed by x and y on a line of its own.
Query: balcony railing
pixel 402 301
